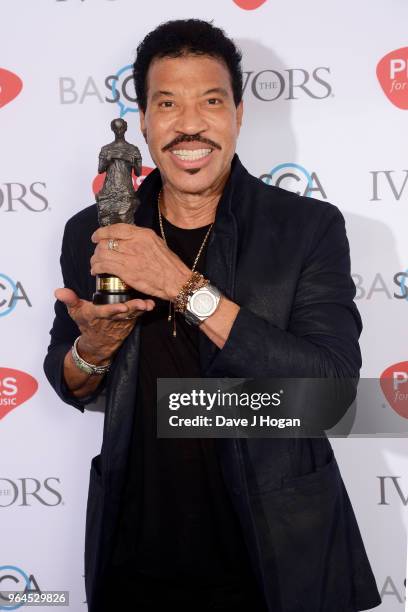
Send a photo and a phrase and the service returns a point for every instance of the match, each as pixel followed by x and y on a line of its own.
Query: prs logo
pixel 394 384
pixel 392 73
pixel 249 5
pixel 16 387
pixel 10 86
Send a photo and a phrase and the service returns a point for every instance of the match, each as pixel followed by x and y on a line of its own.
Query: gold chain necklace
pixel 194 264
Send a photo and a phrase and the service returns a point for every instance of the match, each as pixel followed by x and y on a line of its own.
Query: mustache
pixel 191 138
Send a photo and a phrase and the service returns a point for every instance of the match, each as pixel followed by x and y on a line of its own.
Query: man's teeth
pixel 187 155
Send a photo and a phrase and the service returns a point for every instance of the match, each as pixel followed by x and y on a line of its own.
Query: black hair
pixel 181 37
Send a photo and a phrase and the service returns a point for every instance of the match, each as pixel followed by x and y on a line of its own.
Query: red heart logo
pixel 394 383
pixel 16 387
pixel 10 86
pixel 97 183
pixel 249 5
pixel 392 73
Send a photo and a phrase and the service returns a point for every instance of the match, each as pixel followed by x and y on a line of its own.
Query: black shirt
pixel 177 522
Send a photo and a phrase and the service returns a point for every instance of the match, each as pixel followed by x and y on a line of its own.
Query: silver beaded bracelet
pixel 86 367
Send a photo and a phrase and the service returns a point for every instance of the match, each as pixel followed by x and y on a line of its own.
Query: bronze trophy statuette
pixel 117 202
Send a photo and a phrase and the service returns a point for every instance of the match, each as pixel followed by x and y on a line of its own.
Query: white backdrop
pixel 313 99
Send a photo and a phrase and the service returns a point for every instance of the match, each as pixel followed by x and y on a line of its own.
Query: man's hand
pixel 103 330
pixel 142 260
pixel 145 263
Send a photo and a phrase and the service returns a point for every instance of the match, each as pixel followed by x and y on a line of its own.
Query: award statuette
pixel 117 202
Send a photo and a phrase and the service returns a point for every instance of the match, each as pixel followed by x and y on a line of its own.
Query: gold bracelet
pixel 196 281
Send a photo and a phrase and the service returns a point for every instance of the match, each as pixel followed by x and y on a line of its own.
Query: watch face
pixel 203 303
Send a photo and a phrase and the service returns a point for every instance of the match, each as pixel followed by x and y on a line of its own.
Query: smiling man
pixel 240 279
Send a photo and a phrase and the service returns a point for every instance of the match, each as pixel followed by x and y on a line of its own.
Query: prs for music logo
pixel 16 387
pixel 10 86
pixel 249 5
pixel 394 384
pixel 392 73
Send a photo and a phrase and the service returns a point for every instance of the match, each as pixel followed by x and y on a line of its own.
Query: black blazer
pixel 285 260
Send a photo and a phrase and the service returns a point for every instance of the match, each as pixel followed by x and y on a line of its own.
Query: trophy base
pixel 100 298
pixel 112 290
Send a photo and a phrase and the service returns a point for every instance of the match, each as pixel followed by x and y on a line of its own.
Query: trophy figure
pixel 117 203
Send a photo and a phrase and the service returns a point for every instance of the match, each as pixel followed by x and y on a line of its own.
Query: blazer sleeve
pixel 64 331
pixel 321 340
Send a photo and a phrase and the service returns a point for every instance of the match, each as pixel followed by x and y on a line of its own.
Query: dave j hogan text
pixel 257 420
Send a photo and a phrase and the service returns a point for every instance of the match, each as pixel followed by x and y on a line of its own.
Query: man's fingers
pixel 135 308
pixel 123 310
pixel 105 311
pixel 108 311
pixel 68 297
pixel 139 304
pixel 117 230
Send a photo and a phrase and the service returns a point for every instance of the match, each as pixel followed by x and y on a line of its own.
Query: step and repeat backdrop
pixel 326 115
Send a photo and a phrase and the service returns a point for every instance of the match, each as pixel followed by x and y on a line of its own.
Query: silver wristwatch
pixel 86 367
pixel 201 304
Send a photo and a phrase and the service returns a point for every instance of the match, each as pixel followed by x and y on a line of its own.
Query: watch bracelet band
pixel 84 366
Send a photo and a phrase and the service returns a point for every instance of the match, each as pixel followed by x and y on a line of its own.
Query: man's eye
pixel 166 104
pixel 214 101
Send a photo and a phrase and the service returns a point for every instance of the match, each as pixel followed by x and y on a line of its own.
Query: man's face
pixel 191 123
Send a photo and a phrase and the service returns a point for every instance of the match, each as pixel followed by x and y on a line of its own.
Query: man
pixel 226 524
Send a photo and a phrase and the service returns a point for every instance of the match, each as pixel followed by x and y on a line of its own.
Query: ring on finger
pixel 113 244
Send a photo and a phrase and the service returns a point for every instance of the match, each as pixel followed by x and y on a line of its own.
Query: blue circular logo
pixel 293 171
pixel 19 571
pixel 10 284
pixel 124 108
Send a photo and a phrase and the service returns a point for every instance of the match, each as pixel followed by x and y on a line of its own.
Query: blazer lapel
pixel 220 264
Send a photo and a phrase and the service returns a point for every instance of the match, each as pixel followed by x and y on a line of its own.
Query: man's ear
pixel 143 124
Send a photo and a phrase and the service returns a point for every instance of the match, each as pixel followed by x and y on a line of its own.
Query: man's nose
pixel 190 120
